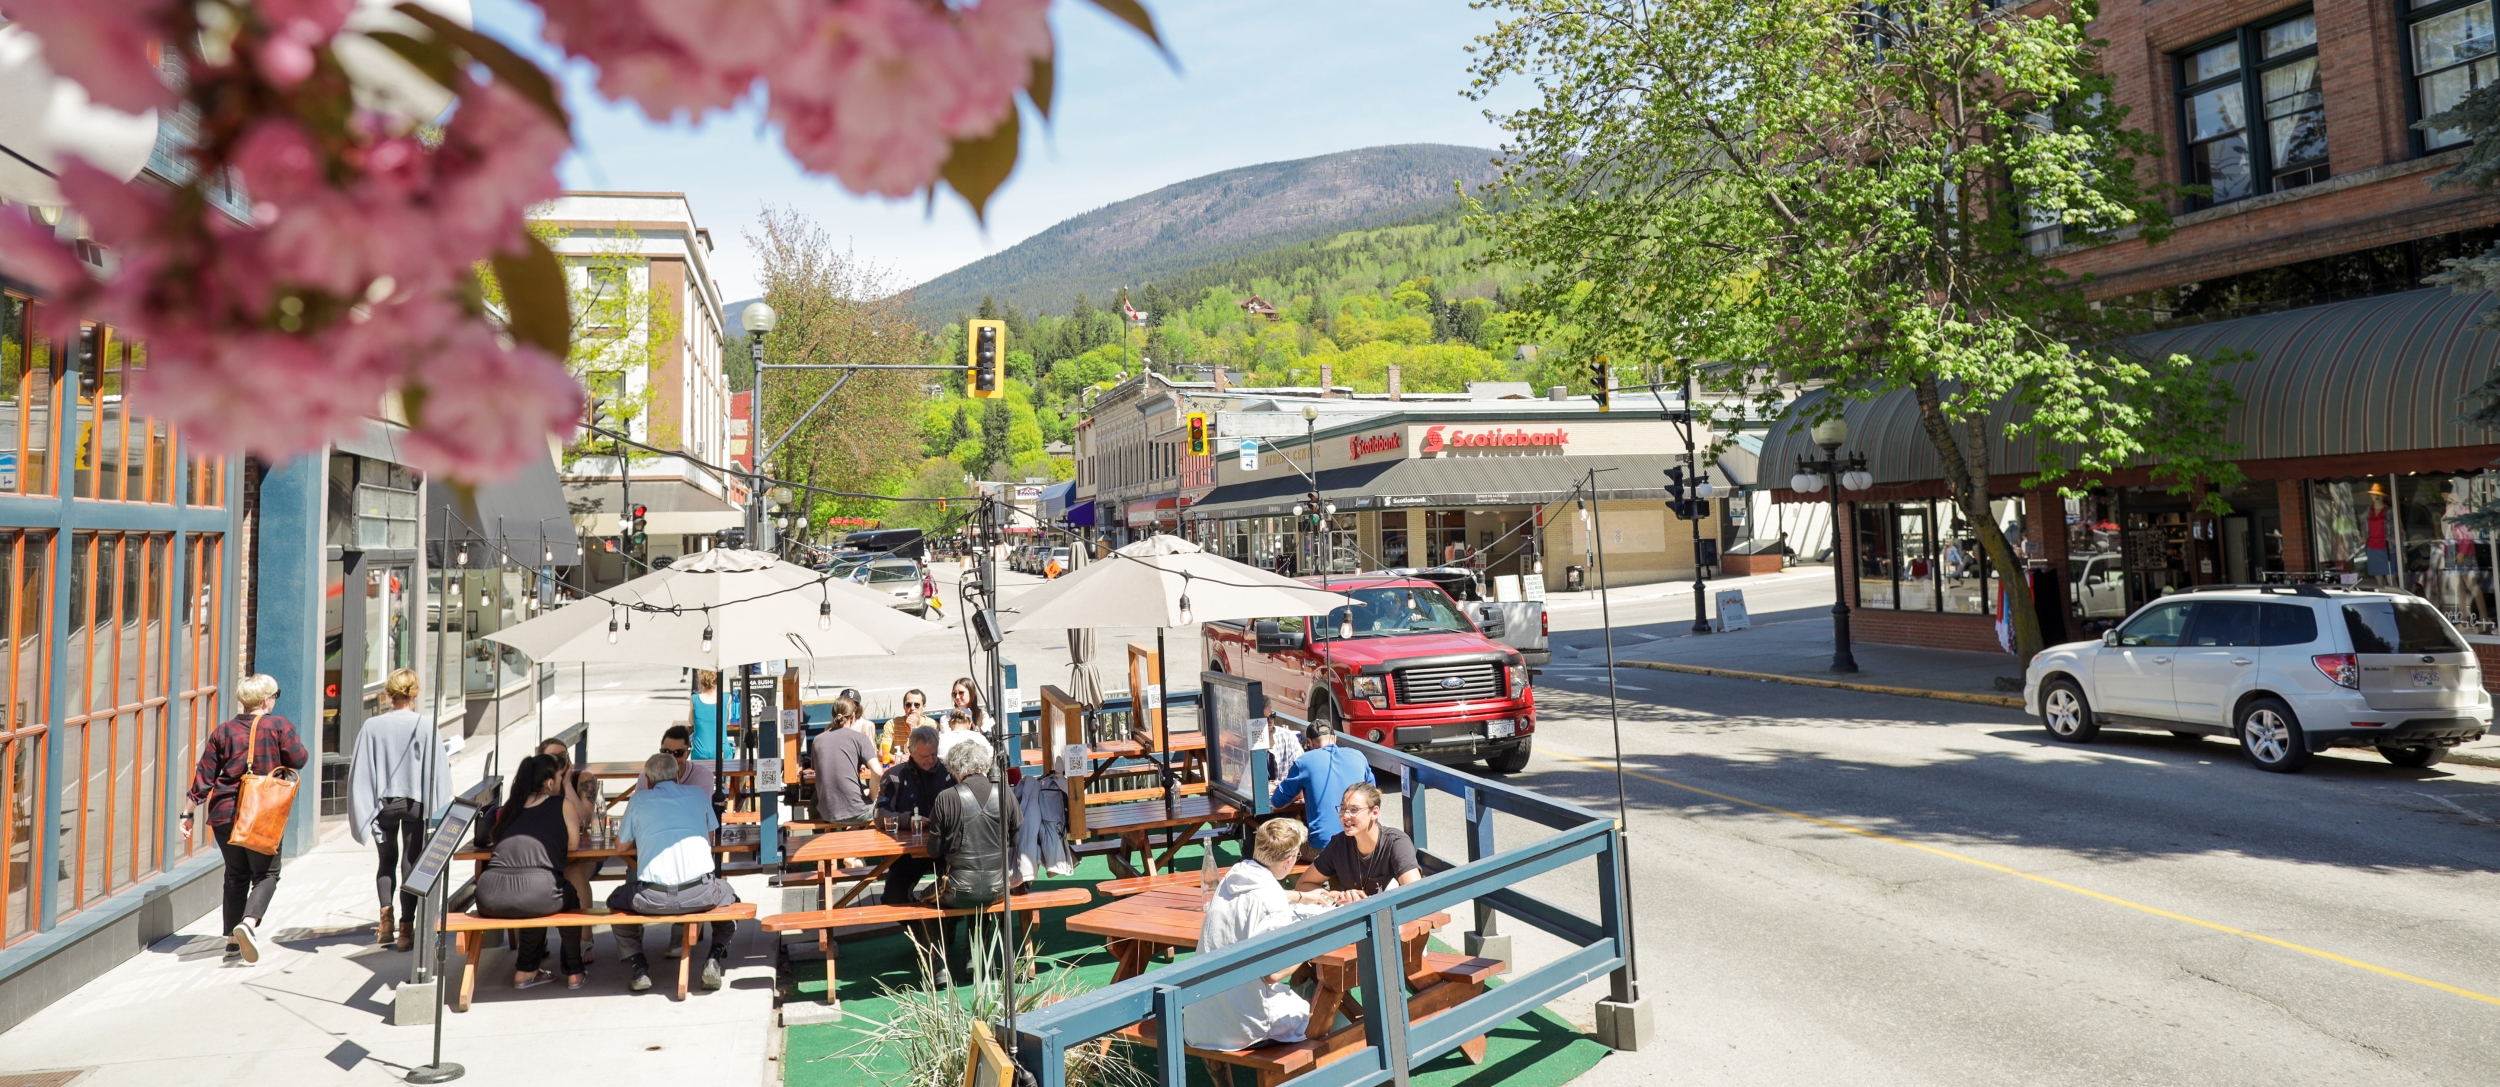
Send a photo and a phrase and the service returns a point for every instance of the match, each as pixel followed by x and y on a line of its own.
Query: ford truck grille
pixel 1432 684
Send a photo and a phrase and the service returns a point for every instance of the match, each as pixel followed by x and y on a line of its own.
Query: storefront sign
pixel 1395 500
pixel 1438 438
pixel 1362 444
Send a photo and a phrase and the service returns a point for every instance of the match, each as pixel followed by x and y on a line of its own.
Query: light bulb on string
pixel 824 609
pixel 707 630
pixel 611 627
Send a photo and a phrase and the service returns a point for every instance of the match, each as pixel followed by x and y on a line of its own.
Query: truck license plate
pixel 1501 729
pixel 2426 678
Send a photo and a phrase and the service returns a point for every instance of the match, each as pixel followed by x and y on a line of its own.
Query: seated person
pixel 959 728
pixel 1368 858
pixel 678 743
pixel 1318 778
pixel 897 736
pixel 533 833
pixel 910 787
pixel 972 823
pixel 840 754
pixel 1252 901
pixel 582 790
pixel 670 827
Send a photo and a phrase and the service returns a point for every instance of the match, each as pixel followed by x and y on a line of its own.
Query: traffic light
pixel 641 536
pixel 1679 498
pixel 1198 442
pixel 1598 378
pixel 984 343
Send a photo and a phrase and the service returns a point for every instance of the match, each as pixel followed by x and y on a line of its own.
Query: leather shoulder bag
pixel 261 801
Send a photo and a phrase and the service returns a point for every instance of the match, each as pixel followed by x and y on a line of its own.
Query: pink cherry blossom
pixel 103 45
pixel 484 407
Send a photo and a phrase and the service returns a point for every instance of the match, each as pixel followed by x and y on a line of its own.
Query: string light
pixel 707 630
pixel 611 626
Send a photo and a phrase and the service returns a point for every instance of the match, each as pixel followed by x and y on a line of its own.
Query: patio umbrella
pixel 1159 582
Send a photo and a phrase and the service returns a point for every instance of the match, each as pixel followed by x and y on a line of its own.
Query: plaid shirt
pixel 222 762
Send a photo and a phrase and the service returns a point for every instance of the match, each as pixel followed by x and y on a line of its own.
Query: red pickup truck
pixel 1408 668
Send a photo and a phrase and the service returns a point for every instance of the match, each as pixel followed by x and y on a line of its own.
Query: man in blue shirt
pixel 670 827
pixel 1320 778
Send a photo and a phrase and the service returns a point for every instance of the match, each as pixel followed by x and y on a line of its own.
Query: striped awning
pixel 2375 375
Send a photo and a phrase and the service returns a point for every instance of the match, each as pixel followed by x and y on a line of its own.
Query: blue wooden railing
pixel 1487 877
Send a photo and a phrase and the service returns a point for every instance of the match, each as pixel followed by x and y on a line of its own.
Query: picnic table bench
pixel 470 935
pixel 1134 825
pixel 1453 980
pixel 820 921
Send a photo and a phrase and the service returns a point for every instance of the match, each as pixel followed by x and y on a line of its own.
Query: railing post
pixel 1417 801
pixel 1383 966
pixel 1624 1021
pixel 1046 1060
pixel 1171 1056
pixel 1484 942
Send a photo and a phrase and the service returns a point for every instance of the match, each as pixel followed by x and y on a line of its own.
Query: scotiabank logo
pixel 1441 437
pixel 1362 444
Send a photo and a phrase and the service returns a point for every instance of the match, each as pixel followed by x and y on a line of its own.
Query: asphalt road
pixel 1834 887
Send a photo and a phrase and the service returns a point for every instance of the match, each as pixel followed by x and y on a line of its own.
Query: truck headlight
pixel 1519 679
pixel 1367 688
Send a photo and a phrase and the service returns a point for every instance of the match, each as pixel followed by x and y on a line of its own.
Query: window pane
pixel 2159 625
pixel 2288 624
pixel 2217 112
pixel 2222 164
pixel 2299 33
pixel 2443 90
pixel 1875 565
pixel 1916 560
pixel 2225 623
pixel 2454 38
pixel 2220 60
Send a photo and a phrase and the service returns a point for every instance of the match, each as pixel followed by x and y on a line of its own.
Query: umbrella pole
pixel 1006 842
pixel 1163 717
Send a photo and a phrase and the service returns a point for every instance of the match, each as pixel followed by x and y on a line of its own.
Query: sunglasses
pixel 910 704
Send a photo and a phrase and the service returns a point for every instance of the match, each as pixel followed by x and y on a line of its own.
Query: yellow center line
pixel 2045 881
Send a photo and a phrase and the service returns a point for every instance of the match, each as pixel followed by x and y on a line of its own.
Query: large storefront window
pixel 25 401
pixel 2398 532
pixel 1393 550
pixel 1926 556
pixel 122 587
pixel 26 610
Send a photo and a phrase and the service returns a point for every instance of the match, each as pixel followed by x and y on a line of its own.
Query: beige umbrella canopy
pixel 725 607
pixel 1166 581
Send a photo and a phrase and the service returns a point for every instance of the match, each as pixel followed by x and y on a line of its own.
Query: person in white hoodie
pixel 1253 901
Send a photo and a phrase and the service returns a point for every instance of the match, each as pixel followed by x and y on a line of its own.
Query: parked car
pixel 1524 625
pixel 901 579
pixel 2286 670
pixel 1057 556
pixel 1408 669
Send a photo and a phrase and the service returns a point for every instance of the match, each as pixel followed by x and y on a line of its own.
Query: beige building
pixel 669 369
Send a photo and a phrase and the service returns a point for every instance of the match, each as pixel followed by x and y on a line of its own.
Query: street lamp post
pixel 759 320
pixel 1836 472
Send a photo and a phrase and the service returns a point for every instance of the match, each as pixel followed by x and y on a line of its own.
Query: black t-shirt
pixel 1348 869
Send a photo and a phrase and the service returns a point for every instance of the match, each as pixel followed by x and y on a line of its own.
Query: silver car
pixel 2286 671
pixel 898 578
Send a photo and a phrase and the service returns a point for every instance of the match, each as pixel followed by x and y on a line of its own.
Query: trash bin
pixel 1575 579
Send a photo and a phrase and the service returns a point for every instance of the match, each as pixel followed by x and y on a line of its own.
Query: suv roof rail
pixel 2300 589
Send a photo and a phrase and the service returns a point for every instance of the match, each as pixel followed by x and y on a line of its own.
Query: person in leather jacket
pixel 969 829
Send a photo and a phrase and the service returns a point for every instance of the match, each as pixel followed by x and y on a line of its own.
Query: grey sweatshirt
pixel 386 764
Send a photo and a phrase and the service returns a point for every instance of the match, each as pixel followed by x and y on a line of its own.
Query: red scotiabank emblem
pixel 1434 441
pixel 1361 444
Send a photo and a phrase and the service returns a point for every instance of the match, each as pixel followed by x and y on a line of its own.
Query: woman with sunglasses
pixel 967 695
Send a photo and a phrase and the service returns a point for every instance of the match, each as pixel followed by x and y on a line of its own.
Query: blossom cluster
pixel 355 272
pixel 873 92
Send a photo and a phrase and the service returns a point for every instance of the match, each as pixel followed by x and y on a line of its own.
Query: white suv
pixel 2286 670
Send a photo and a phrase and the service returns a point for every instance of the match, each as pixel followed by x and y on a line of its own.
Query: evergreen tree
pixel 988 310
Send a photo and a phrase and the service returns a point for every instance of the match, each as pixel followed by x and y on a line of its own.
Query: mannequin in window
pixel 2379 566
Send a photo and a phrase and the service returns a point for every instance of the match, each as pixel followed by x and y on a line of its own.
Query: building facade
pixel 2305 263
pixel 667 389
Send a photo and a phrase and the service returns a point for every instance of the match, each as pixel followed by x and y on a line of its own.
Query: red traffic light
pixel 641 511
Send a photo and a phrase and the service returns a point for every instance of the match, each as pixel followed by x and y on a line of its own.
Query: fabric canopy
pixel 1165 581
pixel 725 607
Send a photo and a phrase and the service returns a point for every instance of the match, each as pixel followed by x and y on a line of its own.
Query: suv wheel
pixel 2413 756
pixel 2066 713
pixel 2271 736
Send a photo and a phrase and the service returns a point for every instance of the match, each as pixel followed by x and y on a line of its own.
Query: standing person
pixel 534 836
pixel 253 741
pixel 705 715
pixel 1368 858
pixel 840 754
pixel 1318 779
pixel 968 834
pixel 388 802
pixel 670 827
pixel 911 787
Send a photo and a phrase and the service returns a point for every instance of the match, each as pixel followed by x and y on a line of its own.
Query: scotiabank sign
pixel 1361 445
pixel 1435 439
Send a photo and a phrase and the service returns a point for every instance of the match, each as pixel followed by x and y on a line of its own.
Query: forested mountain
pixel 1221 217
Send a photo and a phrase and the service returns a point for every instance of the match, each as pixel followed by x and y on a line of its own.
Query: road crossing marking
pixel 2045 881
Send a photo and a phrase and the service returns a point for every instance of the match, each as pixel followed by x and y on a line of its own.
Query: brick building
pixel 2308 257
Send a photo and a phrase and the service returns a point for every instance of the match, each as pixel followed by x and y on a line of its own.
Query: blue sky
pixel 1257 82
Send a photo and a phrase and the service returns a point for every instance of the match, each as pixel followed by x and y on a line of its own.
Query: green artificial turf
pixel 1538 1050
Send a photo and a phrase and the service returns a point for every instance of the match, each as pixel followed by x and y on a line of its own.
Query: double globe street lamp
pixel 1812 477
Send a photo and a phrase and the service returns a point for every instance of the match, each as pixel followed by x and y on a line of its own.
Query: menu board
pixel 1234 716
pixel 448 835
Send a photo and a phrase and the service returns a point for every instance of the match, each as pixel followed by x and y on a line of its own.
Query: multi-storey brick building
pixel 2306 258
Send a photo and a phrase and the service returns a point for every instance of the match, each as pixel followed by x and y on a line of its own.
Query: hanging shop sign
pixel 1361 445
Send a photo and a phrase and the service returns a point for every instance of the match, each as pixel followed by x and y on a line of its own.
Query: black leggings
pixel 399 836
pixel 530 944
pixel 251 877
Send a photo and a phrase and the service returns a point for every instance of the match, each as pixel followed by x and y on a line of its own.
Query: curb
pixel 2005 700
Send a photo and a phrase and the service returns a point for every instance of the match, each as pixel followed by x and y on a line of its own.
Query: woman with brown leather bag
pixel 262 746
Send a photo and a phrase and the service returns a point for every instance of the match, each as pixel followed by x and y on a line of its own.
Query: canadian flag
pixel 1132 312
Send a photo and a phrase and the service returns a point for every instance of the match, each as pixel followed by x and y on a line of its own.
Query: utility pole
pixel 1692 505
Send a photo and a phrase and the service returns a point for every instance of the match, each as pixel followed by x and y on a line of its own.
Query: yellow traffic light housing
pixel 985 343
pixel 1199 440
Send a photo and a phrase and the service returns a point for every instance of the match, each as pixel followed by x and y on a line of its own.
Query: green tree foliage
pixel 935 477
pixel 835 307
pixel 1825 193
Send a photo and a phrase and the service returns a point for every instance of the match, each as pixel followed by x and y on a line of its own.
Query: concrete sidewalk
pixel 316 1010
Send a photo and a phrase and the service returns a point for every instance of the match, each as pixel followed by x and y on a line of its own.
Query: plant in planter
pixel 928 1028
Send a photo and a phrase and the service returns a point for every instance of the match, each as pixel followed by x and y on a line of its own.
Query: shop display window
pixel 2400 532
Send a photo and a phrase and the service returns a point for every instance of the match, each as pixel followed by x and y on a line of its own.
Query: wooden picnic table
pixel 878 847
pixel 1138 928
pixel 1134 821
pixel 601 854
